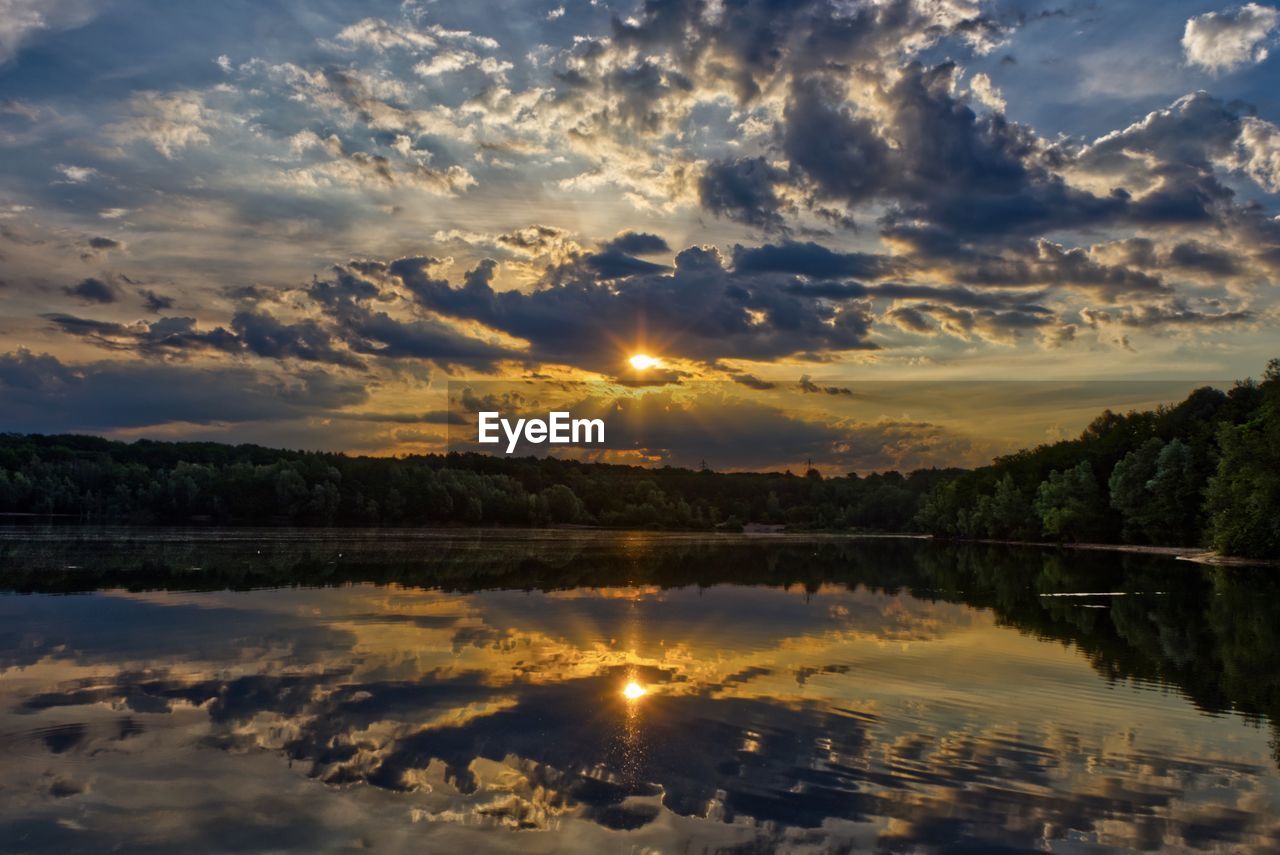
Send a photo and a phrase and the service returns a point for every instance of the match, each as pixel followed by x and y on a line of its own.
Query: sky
pixel 297 223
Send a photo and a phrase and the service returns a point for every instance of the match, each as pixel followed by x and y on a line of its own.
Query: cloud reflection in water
pixel 845 711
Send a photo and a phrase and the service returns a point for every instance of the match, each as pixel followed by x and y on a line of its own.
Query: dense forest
pixel 1202 472
pixel 1205 472
pixel 94 479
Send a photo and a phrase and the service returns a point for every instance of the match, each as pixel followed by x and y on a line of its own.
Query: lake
pixel 452 691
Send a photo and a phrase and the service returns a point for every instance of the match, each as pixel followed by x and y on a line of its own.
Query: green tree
pixel 1070 504
pixel 563 505
pixel 1176 500
pixel 1129 492
pixel 1007 514
pixel 1244 494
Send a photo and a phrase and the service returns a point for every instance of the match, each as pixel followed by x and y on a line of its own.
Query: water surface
pixel 252 690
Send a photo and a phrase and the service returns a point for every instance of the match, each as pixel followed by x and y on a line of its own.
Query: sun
pixel 633 691
pixel 641 361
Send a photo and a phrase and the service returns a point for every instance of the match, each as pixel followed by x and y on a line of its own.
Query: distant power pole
pixel 703 465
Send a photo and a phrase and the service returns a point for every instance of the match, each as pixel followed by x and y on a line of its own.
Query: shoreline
pixel 1193 554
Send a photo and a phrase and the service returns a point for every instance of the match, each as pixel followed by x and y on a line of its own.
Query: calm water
pixel 318 691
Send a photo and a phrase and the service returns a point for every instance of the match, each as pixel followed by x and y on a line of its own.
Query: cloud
pixel 155 303
pixel 743 190
pixel 256 333
pixel 986 93
pixel 76 174
pixel 753 382
pixel 378 34
pixel 1225 41
pixel 96 247
pixel 264 335
pixel 1202 258
pixel 93 290
pixel 43 394
pixel 363 169
pixel 638 243
pixel 900 197
pixel 1002 327
pixel 977 177
pixel 1166 159
pixel 23 20
pixel 698 311
pixel 616 264
pixel 1259 152
pixel 808 259
pixel 807 386
pixel 911 320
pixel 1175 313
pixel 168 121
pixel 381 35
pixel 347 302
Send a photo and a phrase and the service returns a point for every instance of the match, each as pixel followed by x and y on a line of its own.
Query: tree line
pixel 144 482
pixel 1205 472
pixel 1202 472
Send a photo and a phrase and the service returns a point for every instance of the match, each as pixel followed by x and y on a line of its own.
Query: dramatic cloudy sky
pixel 294 223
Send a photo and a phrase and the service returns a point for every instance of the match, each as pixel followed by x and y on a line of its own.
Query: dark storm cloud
pixel 638 91
pixel 743 190
pixel 911 320
pixel 809 259
pixel 638 243
pixel 950 295
pixel 1005 325
pixel 251 332
pixel 976 177
pixel 752 43
pixel 753 382
pixel 1040 264
pixel 93 290
pixel 155 303
pixel 533 240
pixel 919 147
pixel 807 386
pixel 1172 158
pixel 43 394
pixel 1175 313
pixel 907 138
pixel 615 264
pixel 844 113
pixel 380 335
pixel 842 155
pixel 1203 258
pixel 1189 134
pixel 776 301
pixel 264 335
pixel 347 297
pixel 961 297
pixel 430 417
pixel 699 310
